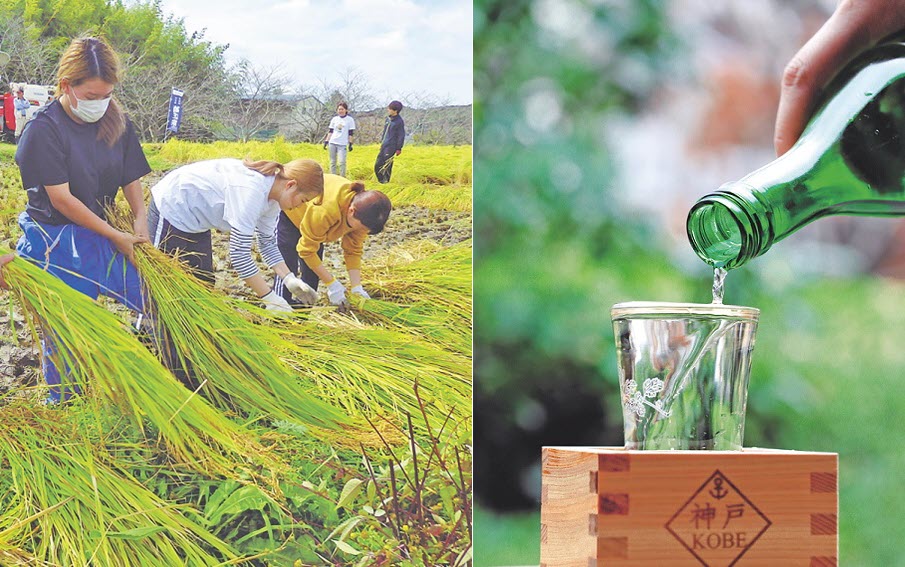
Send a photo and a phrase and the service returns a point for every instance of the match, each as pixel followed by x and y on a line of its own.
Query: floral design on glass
pixel 635 399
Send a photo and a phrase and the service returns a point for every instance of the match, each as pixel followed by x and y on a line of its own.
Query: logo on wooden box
pixel 718 524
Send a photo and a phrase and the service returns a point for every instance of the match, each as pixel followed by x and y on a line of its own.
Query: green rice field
pixel 318 438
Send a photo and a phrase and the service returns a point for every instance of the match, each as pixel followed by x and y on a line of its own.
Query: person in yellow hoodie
pixel 347 212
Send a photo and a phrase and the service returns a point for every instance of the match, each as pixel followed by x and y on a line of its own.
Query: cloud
pixel 401 45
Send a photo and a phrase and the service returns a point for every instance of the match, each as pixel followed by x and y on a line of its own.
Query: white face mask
pixel 90 110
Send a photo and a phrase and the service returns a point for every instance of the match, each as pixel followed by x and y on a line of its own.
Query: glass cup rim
pixel 662 309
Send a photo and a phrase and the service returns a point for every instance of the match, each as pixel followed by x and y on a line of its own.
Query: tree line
pixel 239 101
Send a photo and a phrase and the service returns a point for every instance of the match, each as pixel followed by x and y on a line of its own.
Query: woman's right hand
pixel 126 242
pixel 4 260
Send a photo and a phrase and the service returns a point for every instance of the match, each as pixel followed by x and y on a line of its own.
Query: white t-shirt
pixel 341 127
pixel 218 193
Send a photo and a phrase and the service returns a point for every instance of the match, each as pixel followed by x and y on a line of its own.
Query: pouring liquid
pixel 719 279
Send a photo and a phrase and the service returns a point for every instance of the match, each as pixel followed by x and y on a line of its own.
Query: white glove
pixel 299 289
pixel 273 302
pixel 361 291
pixel 336 293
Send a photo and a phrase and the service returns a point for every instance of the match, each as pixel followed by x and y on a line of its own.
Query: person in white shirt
pixel 21 104
pixel 339 137
pixel 243 198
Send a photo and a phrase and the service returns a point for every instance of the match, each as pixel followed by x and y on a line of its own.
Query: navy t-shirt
pixel 54 149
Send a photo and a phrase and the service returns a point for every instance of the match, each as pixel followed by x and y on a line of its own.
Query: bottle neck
pixel 730 226
pixel 850 160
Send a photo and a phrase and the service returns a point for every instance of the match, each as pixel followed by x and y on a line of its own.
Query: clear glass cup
pixel 683 373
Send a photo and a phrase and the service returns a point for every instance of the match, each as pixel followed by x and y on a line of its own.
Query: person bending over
pixel 242 198
pixel 348 213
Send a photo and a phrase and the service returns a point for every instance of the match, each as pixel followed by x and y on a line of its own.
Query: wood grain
pixel 755 507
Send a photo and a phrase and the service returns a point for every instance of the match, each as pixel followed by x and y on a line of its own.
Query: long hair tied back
pixel 91 58
pixel 307 173
pixel 372 208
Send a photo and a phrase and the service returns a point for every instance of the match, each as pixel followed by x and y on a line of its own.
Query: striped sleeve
pixel 240 254
pixel 267 244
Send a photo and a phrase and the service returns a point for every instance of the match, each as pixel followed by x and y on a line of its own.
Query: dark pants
pixel 195 249
pixel 383 167
pixel 287 239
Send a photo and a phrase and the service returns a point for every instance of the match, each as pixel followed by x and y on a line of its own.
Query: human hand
pixel 299 289
pixel 398 152
pixel 350 146
pixel 325 144
pixel 125 243
pixel 336 293
pixel 853 27
pixel 358 290
pixel 274 302
pixel 4 260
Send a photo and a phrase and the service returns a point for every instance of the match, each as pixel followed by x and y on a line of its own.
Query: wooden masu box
pixel 755 507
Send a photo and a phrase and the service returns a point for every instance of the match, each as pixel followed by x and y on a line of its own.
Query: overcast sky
pixel 402 46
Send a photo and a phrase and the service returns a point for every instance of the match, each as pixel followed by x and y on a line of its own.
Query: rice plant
pixel 431 323
pixel 425 341
pixel 437 177
pixel 237 361
pixel 107 361
pixel 140 470
pixel 72 506
pixel 428 195
pixel 284 371
pixel 371 371
pixel 293 368
pixel 441 281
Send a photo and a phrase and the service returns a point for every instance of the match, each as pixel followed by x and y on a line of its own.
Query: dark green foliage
pixel 156 50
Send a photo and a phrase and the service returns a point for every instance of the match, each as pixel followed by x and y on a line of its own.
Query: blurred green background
pixel 564 89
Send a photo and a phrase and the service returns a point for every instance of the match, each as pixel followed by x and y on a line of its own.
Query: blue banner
pixel 174 116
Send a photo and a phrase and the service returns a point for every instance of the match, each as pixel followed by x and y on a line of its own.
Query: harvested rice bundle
pixel 373 370
pixel 238 360
pixel 107 361
pixel 426 292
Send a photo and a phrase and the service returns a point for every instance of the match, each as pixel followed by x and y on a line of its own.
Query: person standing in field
pixel 74 156
pixel 339 138
pixel 21 104
pixel 392 140
pixel 348 213
pixel 243 198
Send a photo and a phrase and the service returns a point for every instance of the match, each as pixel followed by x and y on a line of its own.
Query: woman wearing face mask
pixel 74 156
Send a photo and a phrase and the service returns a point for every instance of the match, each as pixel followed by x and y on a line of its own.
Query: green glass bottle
pixel 850 160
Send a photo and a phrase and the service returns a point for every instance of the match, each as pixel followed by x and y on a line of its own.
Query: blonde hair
pixel 91 58
pixel 307 173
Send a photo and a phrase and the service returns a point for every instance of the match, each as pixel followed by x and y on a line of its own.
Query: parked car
pixel 7 118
